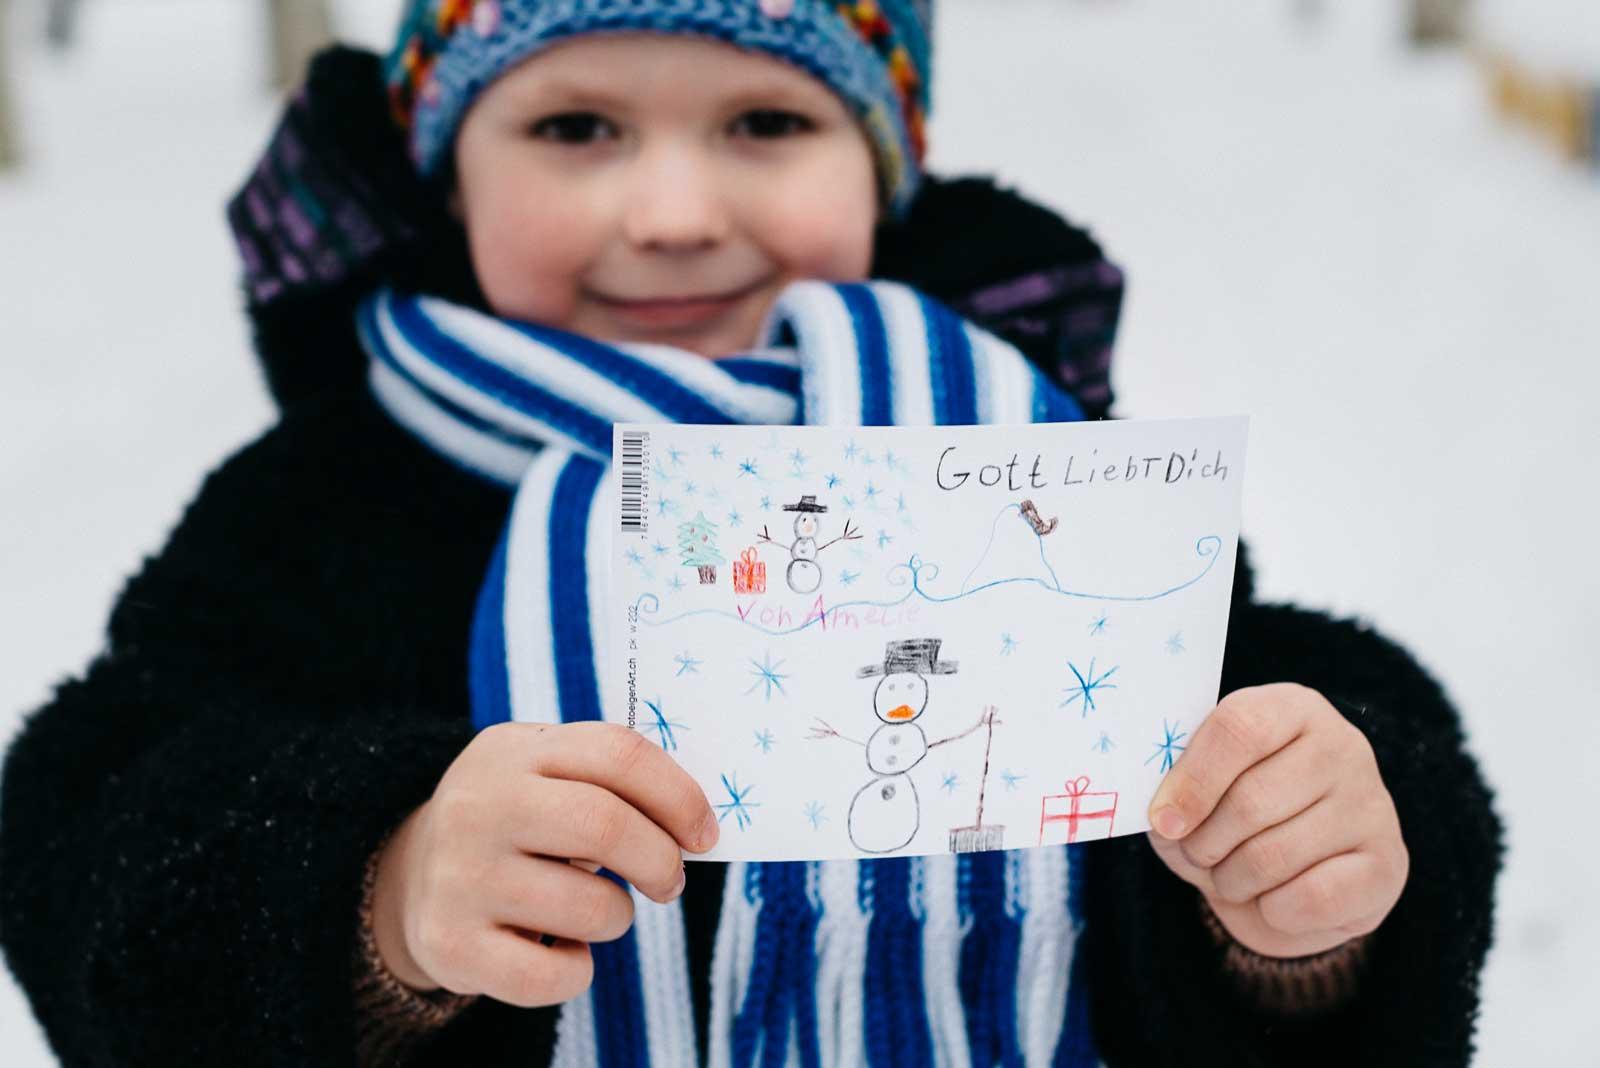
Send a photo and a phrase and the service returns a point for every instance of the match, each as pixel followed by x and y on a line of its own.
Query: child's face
pixel 660 188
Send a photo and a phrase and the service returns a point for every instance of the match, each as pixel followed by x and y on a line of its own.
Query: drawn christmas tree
pixel 698 549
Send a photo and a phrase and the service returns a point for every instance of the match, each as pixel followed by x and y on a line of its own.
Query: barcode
pixel 635 443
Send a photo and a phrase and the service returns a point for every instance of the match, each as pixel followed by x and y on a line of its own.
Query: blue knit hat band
pixel 872 54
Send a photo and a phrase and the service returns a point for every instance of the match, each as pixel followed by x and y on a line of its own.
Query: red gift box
pixel 749 573
pixel 1077 807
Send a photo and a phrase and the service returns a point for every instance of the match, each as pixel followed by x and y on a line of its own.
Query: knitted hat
pixel 873 53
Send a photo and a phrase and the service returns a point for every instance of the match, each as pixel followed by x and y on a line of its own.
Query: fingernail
pixel 1168 822
pixel 683 880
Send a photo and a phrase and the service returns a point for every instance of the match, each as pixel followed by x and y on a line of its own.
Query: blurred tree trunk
pixel 1436 22
pixel 10 153
pixel 299 29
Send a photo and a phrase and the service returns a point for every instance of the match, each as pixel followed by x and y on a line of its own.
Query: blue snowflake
pixel 1008 645
pixel 849 502
pixel 716 452
pixel 848 578
pixel 950 782
pixel 686 664
pixel 660 472
pixel 676 583
pixel 890 461
pixel 1104 743
pixel 675 454
pixel 664 506
pixel 1175 643
pixel 736 802
pixel 766 504
pixel 748 467
pixel 866 458
pixel 767 676
pixel 634 556
pixel 659 549
pixel 663 726
pixel 690 487
pixel 1167 746
pixel 900 502
pixel 814 814
pixel 850 450
pixel 765 741
pixel 871 493
pixel 1099 625
pixel 1086 687
pixel 833 480
pixel 797 458
pixel 1011 778
pixel 884 538
pixel 734 518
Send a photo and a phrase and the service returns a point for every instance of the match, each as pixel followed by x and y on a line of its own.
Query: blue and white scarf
pixel 946 960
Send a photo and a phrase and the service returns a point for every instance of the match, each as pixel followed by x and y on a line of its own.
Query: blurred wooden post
pixel 299 29
pixel 10 152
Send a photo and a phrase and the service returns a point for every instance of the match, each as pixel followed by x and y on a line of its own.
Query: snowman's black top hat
pixel 920 655
pixel 807 503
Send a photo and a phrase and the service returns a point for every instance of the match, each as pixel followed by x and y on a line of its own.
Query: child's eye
pixel 573 128
pixel 771 123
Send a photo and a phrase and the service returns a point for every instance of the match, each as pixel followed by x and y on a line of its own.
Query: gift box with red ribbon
pixel 1088 815
pixel 749 573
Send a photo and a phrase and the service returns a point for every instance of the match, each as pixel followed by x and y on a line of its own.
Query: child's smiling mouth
pixel 676 312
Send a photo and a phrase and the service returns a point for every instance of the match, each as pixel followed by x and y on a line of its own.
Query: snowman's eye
pixel 890 686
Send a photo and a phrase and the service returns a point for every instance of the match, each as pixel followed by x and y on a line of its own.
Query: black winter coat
pixel 183 827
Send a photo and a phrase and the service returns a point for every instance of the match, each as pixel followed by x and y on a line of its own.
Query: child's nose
pixel 675 204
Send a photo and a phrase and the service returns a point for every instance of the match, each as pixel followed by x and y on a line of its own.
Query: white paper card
pixel 881 641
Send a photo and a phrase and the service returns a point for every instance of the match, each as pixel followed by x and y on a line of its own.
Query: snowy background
pixel 1322 229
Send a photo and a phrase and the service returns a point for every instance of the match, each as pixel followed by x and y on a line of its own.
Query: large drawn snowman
pixel 886 812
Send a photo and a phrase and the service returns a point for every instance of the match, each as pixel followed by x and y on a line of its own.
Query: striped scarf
pixel 961 960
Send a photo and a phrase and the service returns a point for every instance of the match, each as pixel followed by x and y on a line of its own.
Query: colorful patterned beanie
pixel 873 53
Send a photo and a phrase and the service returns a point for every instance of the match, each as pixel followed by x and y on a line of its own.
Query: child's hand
pixel 1277 813
pixel 471 879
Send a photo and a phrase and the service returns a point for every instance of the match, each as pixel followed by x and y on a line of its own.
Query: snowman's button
pixel 891 761
pixel 894 739
pixel 888 792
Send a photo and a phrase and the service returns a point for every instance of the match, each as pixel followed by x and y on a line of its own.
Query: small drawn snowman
pixel 886 812
pixel 803 574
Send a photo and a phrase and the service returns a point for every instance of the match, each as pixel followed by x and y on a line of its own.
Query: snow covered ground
pixel 1320 229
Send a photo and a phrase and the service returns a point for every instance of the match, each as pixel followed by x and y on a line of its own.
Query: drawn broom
pixel 978 838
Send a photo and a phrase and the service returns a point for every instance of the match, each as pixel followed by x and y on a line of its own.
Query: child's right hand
pixel 470 880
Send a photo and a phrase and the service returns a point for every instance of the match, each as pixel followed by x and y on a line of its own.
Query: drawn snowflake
pixel 891 461
pixel 716 451
pixel 1087 686
pixel 850 450
pixel 814 814
pixel 687 664
pixel 736 802
pixel 660 472
pixel 767 676
pixel 675 454
pixel 1104 744
pixel 714 493
pixel 866 459
pixel 690 488
pixel 748 467
pixel 848 578
pixel 659 549
pixel 1008 644
pixel 634 556
pixel 663 726
pixel 950 782
pixel 884 538
pixel 1011 778
pixel 676 583
pixel 1175 643
pixel 849 502
pixel 797 458
pixel 734 518
pixel 766 504
pixel 1167 746
pixel 871 493
pixel 1099 625
pixel 665 506
pixel 765 741
pixel 833 480
pixel 900 502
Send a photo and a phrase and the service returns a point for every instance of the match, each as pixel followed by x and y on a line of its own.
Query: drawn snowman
pixel 886 813
pixel 803 573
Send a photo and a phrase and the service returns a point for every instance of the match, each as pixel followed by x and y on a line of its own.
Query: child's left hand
pixel 1277 813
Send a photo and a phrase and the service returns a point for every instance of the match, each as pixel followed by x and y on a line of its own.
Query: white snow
pixel 1321 229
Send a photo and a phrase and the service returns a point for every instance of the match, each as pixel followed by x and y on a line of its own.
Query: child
pixel 262 829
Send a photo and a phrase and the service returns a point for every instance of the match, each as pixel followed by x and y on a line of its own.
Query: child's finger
pixel 1245 727
pixel 1279 854
pixel 519 970
pixel 1170 850
pixel 555 898
pixel 636 770
pixel 587 822
pixel 1271 791
pixel 1341 894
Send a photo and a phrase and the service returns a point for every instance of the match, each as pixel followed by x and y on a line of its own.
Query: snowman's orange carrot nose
pixel 902 712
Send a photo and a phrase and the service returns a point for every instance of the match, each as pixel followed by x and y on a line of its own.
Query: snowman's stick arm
pixel 764 536
pixel 848 535
pixel 827 731
pixel 985 718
